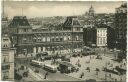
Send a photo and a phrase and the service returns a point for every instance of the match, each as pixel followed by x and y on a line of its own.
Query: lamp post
pixel 115 50
pixel 105 71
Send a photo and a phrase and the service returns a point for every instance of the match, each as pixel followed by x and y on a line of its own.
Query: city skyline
pixel 48 9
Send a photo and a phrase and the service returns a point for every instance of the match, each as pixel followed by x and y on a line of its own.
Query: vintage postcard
pixel 77 41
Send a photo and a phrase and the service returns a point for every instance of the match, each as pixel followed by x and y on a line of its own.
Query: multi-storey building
pixel 111 37
pixel 101 36
pixel 121 30
pixel 7 61
pixel 5 29
pixel 29 40
pixel 89 36
pixel 96 35
pixel 121 27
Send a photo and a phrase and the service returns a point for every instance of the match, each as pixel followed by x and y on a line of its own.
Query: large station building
pixel 33 40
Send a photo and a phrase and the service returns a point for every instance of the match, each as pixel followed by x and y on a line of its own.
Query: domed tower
pixel 91 11
pixel 90 17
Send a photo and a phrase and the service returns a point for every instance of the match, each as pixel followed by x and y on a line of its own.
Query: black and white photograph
pixel 69 41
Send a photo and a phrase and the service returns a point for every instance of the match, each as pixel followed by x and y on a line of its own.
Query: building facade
pixel 29 40
pixel 121 30
pixel 96 35
pixel 7 61
pixel 101 39
pixel 121 27
pixel 89 36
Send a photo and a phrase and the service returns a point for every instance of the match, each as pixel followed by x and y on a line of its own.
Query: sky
pixel 57 8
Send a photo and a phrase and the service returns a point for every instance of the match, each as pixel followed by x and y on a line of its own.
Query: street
pixel 89 65
pixel 51 76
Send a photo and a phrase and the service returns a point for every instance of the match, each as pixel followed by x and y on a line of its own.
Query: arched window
pixel 48 39
pixel 65 38
pixel 34 39
pixel 77 38
pixel 69 37
pixel 44 39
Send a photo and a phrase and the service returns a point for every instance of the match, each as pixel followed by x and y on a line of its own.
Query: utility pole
pixel 106 72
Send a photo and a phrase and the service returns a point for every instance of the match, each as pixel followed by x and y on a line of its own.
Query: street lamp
pixel 105 49
pixel 105 71
pixel 115 50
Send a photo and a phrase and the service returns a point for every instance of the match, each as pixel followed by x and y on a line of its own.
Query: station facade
pixel 30 40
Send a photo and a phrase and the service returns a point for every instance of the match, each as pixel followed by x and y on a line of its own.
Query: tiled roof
pixel 71 21
pixel 19 21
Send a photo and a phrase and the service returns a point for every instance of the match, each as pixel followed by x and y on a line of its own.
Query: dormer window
pixel 5 46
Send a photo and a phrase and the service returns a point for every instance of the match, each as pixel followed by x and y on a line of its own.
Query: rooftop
pixel 101 26
pixel 19 21
pixel 71 21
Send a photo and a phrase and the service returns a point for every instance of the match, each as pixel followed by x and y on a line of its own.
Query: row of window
pixel 102 31
pixel 101 34
pixel 101 41
pixel 54 48
pixel 51 39
pixel 77 29
pixel 24 30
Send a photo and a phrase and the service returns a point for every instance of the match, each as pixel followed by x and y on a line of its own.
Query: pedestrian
pixel 96 72
pixel 120 66
pixel 88 69
pixel 112 65
pixel 78 60
pixel 46 75
pixel 124 64
pixel 113 69
pixel 110 75
pixel 115 80
pixel 81 76
pixel 82 73
pixel 121 80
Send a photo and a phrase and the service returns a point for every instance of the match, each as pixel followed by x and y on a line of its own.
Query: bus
pixel 36 63
pixel 50 68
